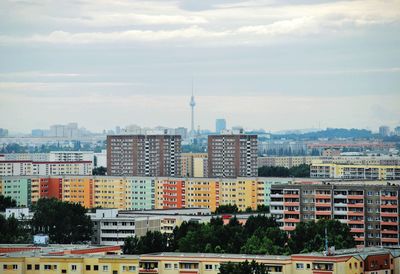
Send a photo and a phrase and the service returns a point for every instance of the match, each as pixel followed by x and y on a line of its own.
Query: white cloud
pixel 152 21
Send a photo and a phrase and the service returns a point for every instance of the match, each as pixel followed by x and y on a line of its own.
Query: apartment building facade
pixel 355 172
pixel 194 165
pixel 27 167
pixel 232 155
pixel 144 155
pixel 97 259
pixel 370 210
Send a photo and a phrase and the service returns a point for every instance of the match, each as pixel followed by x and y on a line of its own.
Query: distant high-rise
pixel 192 105
pixel 232 155
pixel 144 155
pixel 384 131
pixel 220 125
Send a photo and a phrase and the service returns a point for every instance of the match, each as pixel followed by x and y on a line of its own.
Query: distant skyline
pixel 268 64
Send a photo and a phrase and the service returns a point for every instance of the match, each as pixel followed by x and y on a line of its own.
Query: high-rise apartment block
pixel 232 155
pixel 144 155
pixel 371 210
pixel 220 125
pixel 384 131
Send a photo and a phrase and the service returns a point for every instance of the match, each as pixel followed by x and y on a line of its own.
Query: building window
pixel 95 267
pixel 88 267
pixel 299 266
pixel 37 266
pixel 208 266
pixel 167 266
pixel 73 267
pixel 28 267
pixel 105 267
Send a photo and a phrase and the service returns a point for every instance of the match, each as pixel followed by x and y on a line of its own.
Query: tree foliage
pixel 227 209
pixel 151 242
pixel 64 222
pixel 13 232
pixel 310 236
pixel 243 268
pixel 99 170
pixel 302 170
pixel 6 202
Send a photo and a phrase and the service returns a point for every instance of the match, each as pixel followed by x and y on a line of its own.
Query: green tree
pixel 64 222
pixel 310 236
pixel 227 209
pixel 99 171
pixel 13 232
pixel 6 202
pixel 243 268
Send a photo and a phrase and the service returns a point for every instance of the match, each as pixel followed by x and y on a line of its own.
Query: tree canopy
pixel 243 268
pixel 260 235
pixel 310 236
pixel 6 202
pixel 64 222
pixel 13 232
pixel 302 171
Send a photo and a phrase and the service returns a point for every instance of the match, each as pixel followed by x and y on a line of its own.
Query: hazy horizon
pixel 276 65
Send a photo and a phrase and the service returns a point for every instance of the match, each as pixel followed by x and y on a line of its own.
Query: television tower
pixel 192 105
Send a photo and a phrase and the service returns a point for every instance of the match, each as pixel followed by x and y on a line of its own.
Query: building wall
pixel 18 188
pixel 144 155
pixel 232 155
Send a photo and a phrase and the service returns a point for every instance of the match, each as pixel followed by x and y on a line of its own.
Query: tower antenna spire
pixel 192 105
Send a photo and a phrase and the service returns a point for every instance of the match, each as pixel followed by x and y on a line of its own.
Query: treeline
pixel 260 235
pixel 64 222
pixel 300 171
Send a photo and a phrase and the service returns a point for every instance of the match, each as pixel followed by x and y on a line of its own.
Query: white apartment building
pixel 25 168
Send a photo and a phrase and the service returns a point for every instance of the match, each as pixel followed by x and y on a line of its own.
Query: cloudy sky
pixel 261 64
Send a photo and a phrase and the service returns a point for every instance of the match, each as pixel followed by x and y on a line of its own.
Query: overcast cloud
pixel 260 64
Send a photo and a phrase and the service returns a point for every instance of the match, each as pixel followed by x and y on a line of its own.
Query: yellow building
pixel 202 193
pixel 239 191
pixel 354 172
pixel 78 190
pixel 109 192
pixel 54 259
pixel 194 165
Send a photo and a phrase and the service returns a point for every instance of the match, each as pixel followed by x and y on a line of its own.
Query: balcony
pixel 356 222
pixel 389 214
pixel 323 204
pixel 322 196
pixel 389 231
pixel 277 195
pixel 357 230
pixel 389 206
pixel 276 203
pixel 291 220
pixel 355 197
pixel 389 198
pixel 289 228
pixel 392 223
pixel 296 212
pixel 291 204
pixel 390 240
pixel 356 205
pixel 290 195
pixel 340 212
pixel 144 270
pixel 323 213
pixel 355 213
